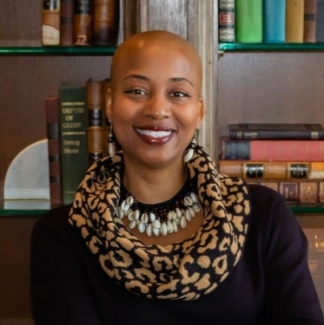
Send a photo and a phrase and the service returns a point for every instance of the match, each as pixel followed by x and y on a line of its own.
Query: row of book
pixel 286 157
pixel 77 132
pixel 80 22
pixel 271 21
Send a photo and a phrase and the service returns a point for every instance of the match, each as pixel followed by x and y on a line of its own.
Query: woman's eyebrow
pixel 178 79
pixel 137 76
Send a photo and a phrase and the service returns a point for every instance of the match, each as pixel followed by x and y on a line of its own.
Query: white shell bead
pixel 141 227
pixel 120 213
pixel 192 211
pixel 170 227
pixel 144 218
pixel 188 215
pixel 170 215
pixel 164 229
pixel 175 226
pixel 130 200
pixel 194 197
pixel 156 224
pixel 183 222
pixel 136 214
pixel 124 206
pixel 156 231
pixel 179 212
pixel 131 216
pixel 188 155
pixel 149 230
pixel 132 224
pixel 196 207
pixel 152 217
pixel 188 201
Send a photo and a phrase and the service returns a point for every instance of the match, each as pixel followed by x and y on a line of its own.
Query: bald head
pixel 155 40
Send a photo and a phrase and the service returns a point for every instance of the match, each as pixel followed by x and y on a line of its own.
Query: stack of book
pixel 286 157
pixel 80 22
pixel 77 132
pixel 271 21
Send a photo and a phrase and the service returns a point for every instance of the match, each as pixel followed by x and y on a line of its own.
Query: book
pixel 295 21
pixel 320 21
pixel 249 21
pixel 272 169
pixel 274 21
pixel 50 22
pixel 96 122
pixel 297 191
pixel 82 15
pixel 52 115
pixel 66 23
pixel 272 150
pixel 73 127
pixel 105 22
pixel 310 21
pixel 278 131
pixel 226 21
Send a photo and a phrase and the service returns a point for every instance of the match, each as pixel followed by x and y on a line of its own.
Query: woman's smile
pixel 154 135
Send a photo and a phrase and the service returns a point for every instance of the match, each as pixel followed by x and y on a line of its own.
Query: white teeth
pixel 154 134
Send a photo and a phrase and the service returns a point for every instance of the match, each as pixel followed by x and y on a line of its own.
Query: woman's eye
pixel 179 94
pixel 135 92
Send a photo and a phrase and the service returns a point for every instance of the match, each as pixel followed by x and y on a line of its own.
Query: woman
pixel 155 235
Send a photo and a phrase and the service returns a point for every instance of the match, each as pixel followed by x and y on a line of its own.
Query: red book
pixel 273 150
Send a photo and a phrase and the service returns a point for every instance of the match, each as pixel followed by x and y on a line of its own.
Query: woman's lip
pixel 155 135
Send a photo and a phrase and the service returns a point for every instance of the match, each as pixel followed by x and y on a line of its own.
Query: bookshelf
pixel 271 47
pixel 58 50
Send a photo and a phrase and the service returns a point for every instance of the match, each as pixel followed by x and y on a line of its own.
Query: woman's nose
pixel 157 106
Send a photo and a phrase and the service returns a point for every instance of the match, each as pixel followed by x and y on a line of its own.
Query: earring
pixel 191 148
pixel 111 142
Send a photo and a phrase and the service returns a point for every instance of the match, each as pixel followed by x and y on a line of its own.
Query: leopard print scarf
pixel 184 270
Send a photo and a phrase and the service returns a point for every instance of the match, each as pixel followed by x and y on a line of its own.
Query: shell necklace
pixel 161 218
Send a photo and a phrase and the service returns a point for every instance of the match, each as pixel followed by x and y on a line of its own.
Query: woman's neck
pixel 152 186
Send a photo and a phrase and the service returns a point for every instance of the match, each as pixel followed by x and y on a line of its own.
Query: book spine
pixel 249 21
pixel 274 21
pixel 52 115
pixel 320 21
pixel 266 169
pixel 105 22
pixel 51 22
pixel 82 15
pixel 226 21
pixel 66 23
pixel 295 21
pixel 95 130
pixel 310 21
pixel 272 150
pixel 297 191
pixel 276 135
pixel 73 124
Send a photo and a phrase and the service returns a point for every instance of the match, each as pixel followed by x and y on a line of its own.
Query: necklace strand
pixel 162 218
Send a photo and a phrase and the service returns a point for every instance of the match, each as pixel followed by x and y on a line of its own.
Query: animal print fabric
pixel 184 270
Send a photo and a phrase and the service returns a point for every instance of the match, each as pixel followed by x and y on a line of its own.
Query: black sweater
pixel 270 285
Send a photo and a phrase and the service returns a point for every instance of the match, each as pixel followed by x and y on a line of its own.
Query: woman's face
pixel 155 104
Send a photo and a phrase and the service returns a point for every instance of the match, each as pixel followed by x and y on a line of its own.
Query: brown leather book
pixel 268 169
pixel 310 21
pixel 96 131
pixel 105 22
pixel 52 114
pixel 66 23
pixel 82 22
pixel 51 22
pixel 295 21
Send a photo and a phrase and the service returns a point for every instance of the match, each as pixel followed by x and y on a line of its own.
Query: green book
pixel 249 21
pixel 73 128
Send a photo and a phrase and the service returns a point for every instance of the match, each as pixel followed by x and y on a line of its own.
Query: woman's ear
pixel 109 105
pixel 201 112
